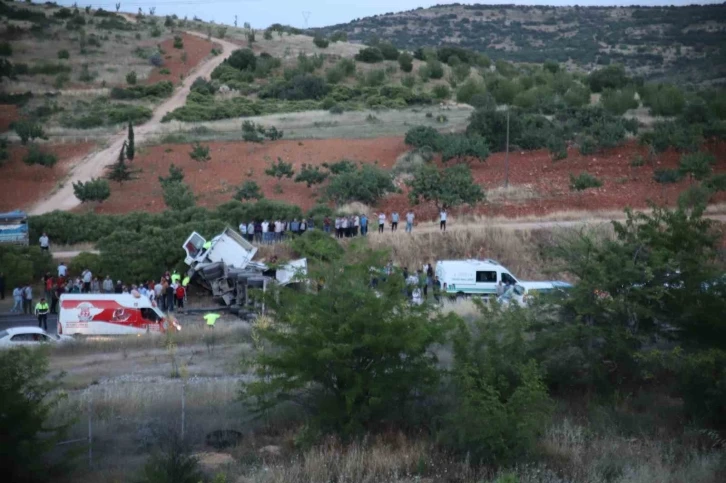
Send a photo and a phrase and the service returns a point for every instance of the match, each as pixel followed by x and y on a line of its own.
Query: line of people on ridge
pixel 342 226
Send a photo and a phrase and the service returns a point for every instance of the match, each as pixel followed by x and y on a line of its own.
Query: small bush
pixel 199 152
pixel 405 62
pixel 156 59
pixel 96 189
pixel 667 176
pixel 317 245
pixel 441 91
pixel 178 196
pixel 369 55
pixel 366 185
pixel 28 130
pixel 697 165
pixel 64 54
pixel 310 175
pixel 36 156
pixel 637 161
pixel 131 78
pixel 248 191
pixel 421 136
pixel 178 42
pixel 321 42
pixel 172 464
pixel 435 69
pixel 583 182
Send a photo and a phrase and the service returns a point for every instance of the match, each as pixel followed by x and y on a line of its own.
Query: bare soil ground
pixel 94 164
pixel 196 49
pixel 538 185
pixel 8 114
pixel 21 185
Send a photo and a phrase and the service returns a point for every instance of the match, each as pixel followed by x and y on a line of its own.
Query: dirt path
pixel 93 165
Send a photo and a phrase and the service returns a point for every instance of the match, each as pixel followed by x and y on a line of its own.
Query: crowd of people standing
pixel 341 226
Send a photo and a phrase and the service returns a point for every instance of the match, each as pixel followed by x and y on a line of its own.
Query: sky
pixel 262 13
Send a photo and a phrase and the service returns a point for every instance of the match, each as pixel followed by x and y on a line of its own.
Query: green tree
pixel 610 77
pixel 459 146
pixel 369 55
pixel 423 136
pixel 120 171
pixel 341 348
pixel 130 144
pixel 367 185
pixel 405 62
pixel 28 130
pixel 199 152
pixel 491 125
pixel 446 188
pixel 248 191
pixel 584 181
pixel 664 99
pixel 435 69
pixel 321 42
pixel 131 78
pixel 617 102
pixel 310 175
pixel 29 394
pixel 36 155
pixel 178 196
pixel 97 189
pixel 696 165
pixel 242 59
pixel 280 169
pixel 389 51
pixel 176 175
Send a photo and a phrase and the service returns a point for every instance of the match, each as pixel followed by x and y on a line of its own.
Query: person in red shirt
pixel 48 281
pixel 180 293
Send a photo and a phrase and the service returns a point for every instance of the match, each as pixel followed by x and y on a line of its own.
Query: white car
pixel 29 337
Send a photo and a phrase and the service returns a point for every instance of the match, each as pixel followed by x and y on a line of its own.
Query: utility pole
pixel 235 21
pixel 306 16
pixel 506 155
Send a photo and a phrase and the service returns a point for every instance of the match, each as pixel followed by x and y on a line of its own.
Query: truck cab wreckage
pixel 224 266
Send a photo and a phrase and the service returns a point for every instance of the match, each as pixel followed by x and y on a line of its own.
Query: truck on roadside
pixel 14 228
pixel 224 265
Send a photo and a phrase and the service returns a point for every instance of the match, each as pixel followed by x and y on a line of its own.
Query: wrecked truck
pixel 224 265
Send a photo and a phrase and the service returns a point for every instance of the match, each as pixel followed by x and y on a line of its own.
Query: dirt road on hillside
pixel 93 165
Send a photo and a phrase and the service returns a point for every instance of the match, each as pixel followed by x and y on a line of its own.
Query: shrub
pixel 310 175
pixel 131 78
pixel 250 132
pixel 279 170
pixel 351 369
pixel 461 146
pixel 61 80
pixel 64 54
pixel 584 181
pixel 667 176
pixel 441 91
pixel 28 130
pixel 156 59
pixel 36 156
pixel 617 102
pixel 242 59
pixel 405 62
pixel 321 42
pixel 501 405
pixel 447 188
pixel 317 245
pixel 408 81
pixel 389 51
pixel 178 42
pixel 178 196
pixel 637 161
pixel 366 185
pixel 248 191
pixel 673 134
pixel 342 166
pixel 159 89
pixel 369 55
pixel 664 99
pixel 29 394
pixel 492 126
pixel 557 148
pixel 610 77
pixel 469 89
pixel 420 136
pixel 172 463
pixel 176 175
pixel 96 189
pixel 199 152
pixel 435 69
pixel 697 165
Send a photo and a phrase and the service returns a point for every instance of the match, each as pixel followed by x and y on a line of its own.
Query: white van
pixel 111 314
pixel 480 277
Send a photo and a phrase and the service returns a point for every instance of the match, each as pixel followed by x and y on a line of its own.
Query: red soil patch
pixel 8 114
pixel 22 185
pixel 196 48
pixel 215 181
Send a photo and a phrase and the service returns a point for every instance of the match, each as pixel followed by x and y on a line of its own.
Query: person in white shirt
pixel 243 229
pixel 442 220
pixel 356 225
pixel 409 221
pixel 381 222
pixel 346 226
pixel 44 242
pixel 278 230
pixel 87 277
pixel 62 269
pixel 338 227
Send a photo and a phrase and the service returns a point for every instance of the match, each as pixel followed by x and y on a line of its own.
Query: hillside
pixel 683 44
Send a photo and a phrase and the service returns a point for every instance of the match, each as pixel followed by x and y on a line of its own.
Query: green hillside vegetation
pixel 674 43
pixel 48 49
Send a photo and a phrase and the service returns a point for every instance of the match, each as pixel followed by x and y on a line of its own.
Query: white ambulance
pixel 481 277
pixel 111 314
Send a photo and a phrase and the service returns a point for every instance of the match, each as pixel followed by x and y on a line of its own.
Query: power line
pixel 306 16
